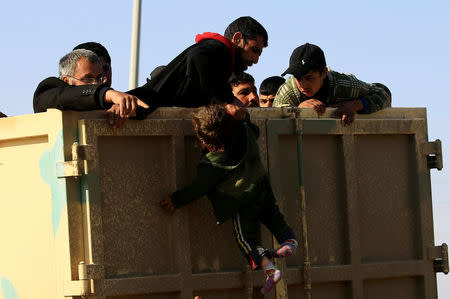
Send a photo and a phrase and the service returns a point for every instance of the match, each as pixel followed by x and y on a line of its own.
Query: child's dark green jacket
pixel 228 183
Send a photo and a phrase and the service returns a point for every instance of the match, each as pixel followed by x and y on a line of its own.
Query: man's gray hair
pixel 68 63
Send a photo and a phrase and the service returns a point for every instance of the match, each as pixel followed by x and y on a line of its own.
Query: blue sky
pixel 404 44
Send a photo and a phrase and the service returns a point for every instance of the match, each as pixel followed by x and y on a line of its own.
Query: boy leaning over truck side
pixel 231 174
pixel 314 86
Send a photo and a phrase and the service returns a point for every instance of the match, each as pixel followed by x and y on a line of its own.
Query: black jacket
pixel 55 93
pixel 196 77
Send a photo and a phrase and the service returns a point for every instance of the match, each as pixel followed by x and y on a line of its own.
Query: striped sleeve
pixel 287 95
pixel 346 87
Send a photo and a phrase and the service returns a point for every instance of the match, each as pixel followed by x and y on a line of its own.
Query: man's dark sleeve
pixel 146 94
pixel 55 93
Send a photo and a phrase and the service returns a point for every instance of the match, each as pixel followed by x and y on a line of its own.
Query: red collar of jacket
pixel 220 38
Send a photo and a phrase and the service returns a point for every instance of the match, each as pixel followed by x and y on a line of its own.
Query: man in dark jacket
pixel 82 86
pixel 199 75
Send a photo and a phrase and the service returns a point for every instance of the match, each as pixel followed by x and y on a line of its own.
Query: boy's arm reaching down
pixel 208 177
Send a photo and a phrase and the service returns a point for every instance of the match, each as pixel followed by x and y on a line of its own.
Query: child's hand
pixel 346 111
pixel 317 105
pixel 167 205
pixel 238 113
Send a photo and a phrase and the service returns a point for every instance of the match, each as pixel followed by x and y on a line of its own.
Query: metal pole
pixel 306 262
pixel 135 40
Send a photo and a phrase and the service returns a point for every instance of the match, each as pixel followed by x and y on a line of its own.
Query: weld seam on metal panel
pixel 393 269
pixel 143 285
pixel 351 191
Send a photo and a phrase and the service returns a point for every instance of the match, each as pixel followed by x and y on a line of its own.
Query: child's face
pixel 310 83
pixel 266 100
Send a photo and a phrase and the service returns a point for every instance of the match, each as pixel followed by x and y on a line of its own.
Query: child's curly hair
pixel 215 128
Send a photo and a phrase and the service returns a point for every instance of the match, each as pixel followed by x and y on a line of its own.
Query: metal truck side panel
pixel 80 211
pixel 31 205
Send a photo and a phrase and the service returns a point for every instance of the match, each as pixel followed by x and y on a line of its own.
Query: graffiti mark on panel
pixel 47 166
pixel 8 290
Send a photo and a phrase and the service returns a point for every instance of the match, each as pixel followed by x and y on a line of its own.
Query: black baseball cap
pixel 305 58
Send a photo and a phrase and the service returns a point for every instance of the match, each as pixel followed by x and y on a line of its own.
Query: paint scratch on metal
pixel 8 290
pixel 47 166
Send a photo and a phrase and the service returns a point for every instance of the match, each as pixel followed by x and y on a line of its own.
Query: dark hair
pixel 386 90
pixel 215 128
pixel 96 48
pixel 157 71
pixel 249 27
pixel 270 85
pixel 313 70
pixel 238 78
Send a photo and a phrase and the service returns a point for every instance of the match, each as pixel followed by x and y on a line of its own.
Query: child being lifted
pixel 231 174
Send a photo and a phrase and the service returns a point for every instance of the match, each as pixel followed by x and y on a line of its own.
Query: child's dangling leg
pixel 274 220
pixel 246 231
pixel 273 275
pixel 288 248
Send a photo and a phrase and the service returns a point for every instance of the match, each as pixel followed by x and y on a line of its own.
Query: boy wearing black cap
pixel 313 86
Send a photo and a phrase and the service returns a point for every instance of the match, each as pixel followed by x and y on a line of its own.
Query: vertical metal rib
pixel 306 262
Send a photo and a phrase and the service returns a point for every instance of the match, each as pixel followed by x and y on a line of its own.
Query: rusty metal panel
pixel 143 249
pixel 338 290
pixel 387 190
pixel 367 218
pixel 365 223
pixel 131 227
pixel 402 288
pixel 325 199
pixel 367 191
